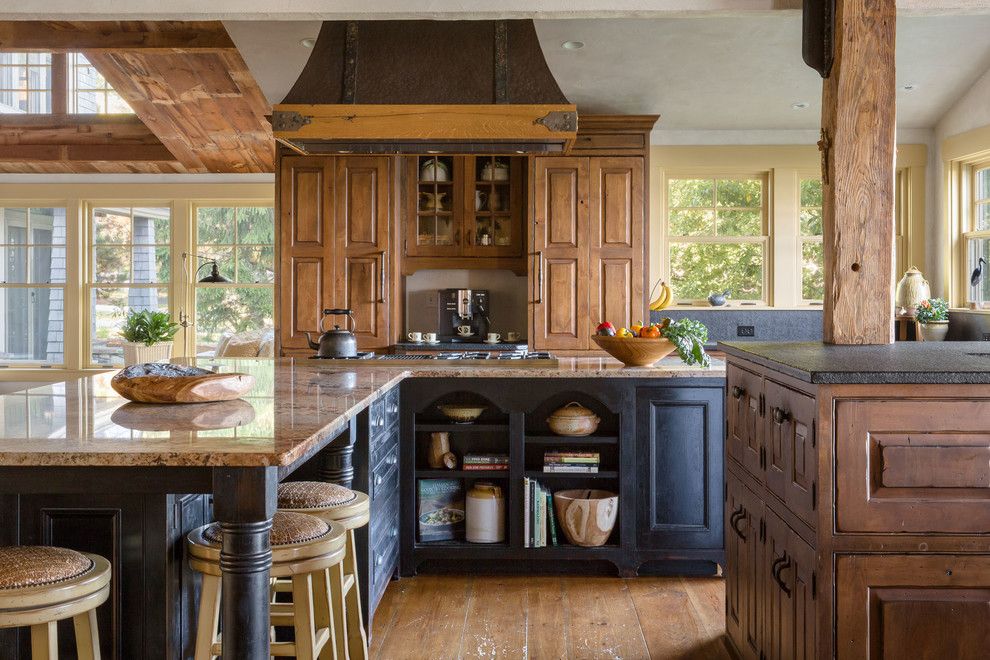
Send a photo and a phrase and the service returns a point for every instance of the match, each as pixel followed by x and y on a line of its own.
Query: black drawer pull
pixel 737 391
pixel 780 415
pixel 735 523
pixel 782 564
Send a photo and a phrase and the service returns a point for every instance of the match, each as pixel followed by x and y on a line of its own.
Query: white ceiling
pixel 704 72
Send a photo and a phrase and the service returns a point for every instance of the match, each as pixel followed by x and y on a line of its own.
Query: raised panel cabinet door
pixel 918 465
pixel 778 635
pixel 306 248
pixel 799 575
pixel 679 431
pixel 745 432
pixel 361 230
pixel 561 250
pixel 735 560
pixel 617 241
pixel 751 526
pixel 791 458
pixel 923 607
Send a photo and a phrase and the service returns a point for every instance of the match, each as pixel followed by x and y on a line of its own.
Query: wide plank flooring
pixel 441 617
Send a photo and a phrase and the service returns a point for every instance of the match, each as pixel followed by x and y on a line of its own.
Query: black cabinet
pixel 679 467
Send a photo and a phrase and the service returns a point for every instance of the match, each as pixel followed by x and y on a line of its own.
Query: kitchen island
pixel 81 467
pixel 857 500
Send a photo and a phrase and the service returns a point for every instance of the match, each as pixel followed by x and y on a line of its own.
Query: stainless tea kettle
pixel 336 343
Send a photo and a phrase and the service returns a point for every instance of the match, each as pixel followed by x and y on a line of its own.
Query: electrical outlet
pixel 745 331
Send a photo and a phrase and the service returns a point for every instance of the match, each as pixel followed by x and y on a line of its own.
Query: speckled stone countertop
pixel 294 407
pixel 924 363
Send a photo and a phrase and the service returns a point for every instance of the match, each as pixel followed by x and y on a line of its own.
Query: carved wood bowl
pixel 586 516
pixel 635 351
pixel 169 383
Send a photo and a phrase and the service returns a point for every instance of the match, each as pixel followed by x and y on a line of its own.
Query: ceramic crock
pixel 573 420
pixel 911 290
pixel 484 512
pixel 935 331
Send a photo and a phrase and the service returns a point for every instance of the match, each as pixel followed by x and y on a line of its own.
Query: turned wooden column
pixel 858 113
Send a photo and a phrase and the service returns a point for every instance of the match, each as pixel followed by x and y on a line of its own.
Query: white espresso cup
pixel 494 337
pixel 430 336
pixel 512 336
pixel 415 336
pixel 464 330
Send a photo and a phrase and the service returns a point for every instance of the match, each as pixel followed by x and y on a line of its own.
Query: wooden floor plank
pixel 602 621
pixel 430 622
pixel 540 618
pixel 495 625
pixel 547 614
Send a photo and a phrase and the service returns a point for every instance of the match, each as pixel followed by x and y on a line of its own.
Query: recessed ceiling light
pixel 910 87
pixel 308 42
pixel 800 105
pixel 572 45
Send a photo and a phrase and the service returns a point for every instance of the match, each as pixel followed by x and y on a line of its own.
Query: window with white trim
pixel 717 237
pixel 812 253
pixel 976 231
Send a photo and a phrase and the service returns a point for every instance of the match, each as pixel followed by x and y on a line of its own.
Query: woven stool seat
pixel 287 529
pixel 36 565
pixel 313 495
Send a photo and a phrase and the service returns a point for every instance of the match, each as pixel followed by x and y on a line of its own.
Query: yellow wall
pixel 784 165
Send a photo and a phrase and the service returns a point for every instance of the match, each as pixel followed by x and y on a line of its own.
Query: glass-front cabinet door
pixel 493 217
pixel 434 206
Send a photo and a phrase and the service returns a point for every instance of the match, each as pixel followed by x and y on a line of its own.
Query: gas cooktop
pixel 515 358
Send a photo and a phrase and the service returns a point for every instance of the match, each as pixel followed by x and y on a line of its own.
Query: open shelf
pixel 603 474
pixel 433 473
pixel 450 427
pixel 570 440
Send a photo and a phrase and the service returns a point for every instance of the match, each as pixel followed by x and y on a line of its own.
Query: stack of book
pixel 580 462
pixel 540 522
pixel 485 462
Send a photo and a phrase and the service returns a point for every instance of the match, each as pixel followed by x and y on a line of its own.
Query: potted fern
pixel 148 336
pixel 933 315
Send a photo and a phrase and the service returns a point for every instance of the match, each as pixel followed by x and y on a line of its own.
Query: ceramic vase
pixel 139 353
pixel 911 290
pixel 934 331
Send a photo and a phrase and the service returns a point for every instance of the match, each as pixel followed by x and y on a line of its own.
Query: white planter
pixel 934 331
pixel 138 353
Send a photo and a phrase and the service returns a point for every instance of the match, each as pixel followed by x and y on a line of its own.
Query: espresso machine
pixel 459 308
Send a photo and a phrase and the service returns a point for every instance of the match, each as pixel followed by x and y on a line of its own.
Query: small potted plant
pixel 148 336
pixel 933 315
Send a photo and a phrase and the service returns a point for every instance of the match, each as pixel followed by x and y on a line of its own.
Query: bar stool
pixel 303 548
pixel 41 585
pixel 349 508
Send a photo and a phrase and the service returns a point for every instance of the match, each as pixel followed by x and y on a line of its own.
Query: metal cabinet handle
pixel 737 391
pixel 780 415
pixel 735 523
pixel 539 277
pixel 378 479
pixel 781 564
pixel 381 278
pixel 379 559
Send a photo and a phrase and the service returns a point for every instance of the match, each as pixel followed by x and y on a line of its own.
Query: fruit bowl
pixel 635 351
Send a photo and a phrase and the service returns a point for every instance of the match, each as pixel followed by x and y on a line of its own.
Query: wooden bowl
pixel 170 383
pixel 586 516
pixel 461 413
pixel 635 351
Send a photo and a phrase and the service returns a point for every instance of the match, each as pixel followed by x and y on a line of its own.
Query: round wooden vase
pixel 439 445
pixel 586 516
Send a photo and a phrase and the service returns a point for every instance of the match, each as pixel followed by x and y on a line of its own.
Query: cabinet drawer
pixel 383 565
pixel 912 465
pixel 912 606
pixel 383 446
pixel 385 476
pixel 392 408
pixel 791 458
pixel 376 418
pixel 744 413
pixel 384 522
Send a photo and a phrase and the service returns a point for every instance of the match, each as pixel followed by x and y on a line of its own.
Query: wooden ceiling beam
pixel 85 153
pixel 111 36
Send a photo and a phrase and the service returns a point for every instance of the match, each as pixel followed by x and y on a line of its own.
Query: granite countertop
pixel 951 362
pixel 294 406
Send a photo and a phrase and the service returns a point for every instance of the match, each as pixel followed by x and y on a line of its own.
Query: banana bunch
pixel 662 300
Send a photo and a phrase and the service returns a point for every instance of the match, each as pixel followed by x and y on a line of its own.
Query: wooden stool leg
pixel 87 635
pixel 44 641
pixel 209 617
pixel 323 613
pixel 339 609
pixel 357 639
pixel 305 626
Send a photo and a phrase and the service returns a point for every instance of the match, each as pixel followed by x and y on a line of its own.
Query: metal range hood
pixel 457 87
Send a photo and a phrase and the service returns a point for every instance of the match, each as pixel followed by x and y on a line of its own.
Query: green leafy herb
pixel 933 310
pixel 689 337
pixel 148 327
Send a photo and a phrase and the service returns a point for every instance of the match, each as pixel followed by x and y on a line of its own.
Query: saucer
pixel 488 341
pixel 435 341
pixel 415 341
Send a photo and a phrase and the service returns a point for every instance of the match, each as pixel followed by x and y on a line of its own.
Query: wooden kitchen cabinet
pixel 791 460
pixel 744 440
pixel 588 244
pixel 334 246
pixel 744 552
pixel 464 212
